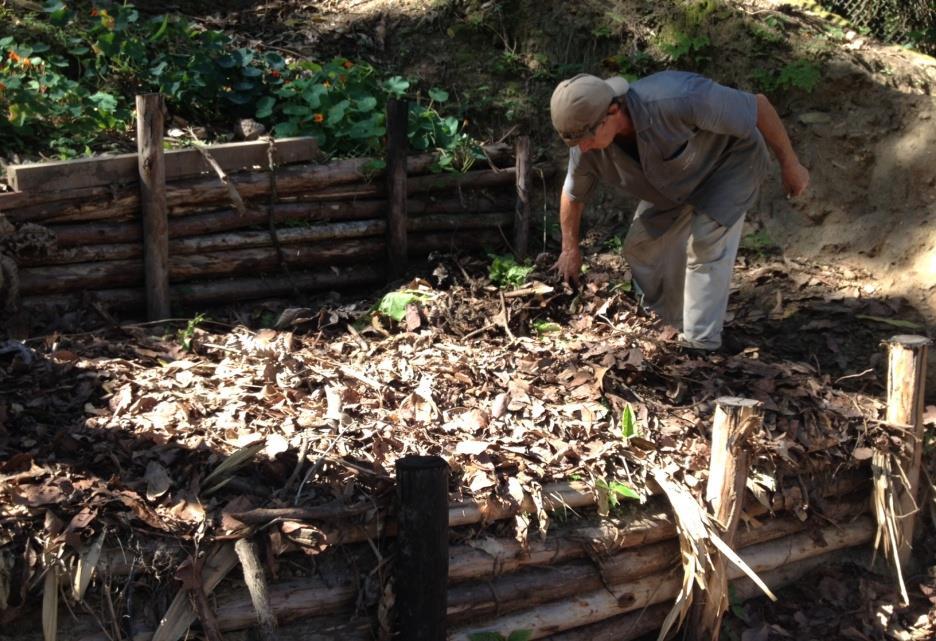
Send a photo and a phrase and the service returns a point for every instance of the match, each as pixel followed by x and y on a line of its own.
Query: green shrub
pixel 67 92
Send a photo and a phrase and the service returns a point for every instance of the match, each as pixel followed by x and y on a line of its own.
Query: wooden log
pixel 189 295
pixel 522 210
pixel 561 583
pixel 261 239
pixel 421 567
pixel 397 123
pixel 181 163
pixel 906 375
pixel 648 524
pixel 589 607
pixel 557 581
pixel 122 273
pixel 634 625
pixel 152 171
pixel 735 420
pixel 289 601
pixel 92 233
pixel 298 179
pixel 103 203
pixel 627 627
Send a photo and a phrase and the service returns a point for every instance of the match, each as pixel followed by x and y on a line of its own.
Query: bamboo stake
pixel 150 108
pixel 257 587
pixel 522 211
pixel 735 420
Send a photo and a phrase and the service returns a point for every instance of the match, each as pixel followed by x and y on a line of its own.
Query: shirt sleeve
pixel 723 110
pixel 579 182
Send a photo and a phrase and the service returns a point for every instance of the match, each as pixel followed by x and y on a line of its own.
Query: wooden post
pixel 397 122
pixel 152 168
pixel 522 211
pixel 906 373
pixel 422 544
pixel 735 420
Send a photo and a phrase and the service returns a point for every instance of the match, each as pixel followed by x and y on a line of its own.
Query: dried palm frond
pixel 85 567
pixel 889 537
pixel 696 529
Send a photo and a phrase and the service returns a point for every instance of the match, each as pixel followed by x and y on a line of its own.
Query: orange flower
pixel 318 118
pixel 275 74
pixel 347 64
pixel 94 12
pixel 14 57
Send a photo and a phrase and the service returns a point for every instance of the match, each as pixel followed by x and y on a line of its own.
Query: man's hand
pixel 569 265
pixel 795 179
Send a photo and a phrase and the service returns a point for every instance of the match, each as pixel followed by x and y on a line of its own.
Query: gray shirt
pixel 697 144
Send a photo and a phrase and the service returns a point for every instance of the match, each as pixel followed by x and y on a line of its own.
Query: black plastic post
pixel 422 548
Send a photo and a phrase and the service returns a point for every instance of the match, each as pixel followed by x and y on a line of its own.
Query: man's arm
pixel 795 176
pixel 569 264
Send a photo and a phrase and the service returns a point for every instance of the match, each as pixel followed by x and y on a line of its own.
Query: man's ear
pixel 613 109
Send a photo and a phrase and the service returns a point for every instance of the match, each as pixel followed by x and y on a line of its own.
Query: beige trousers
pixel 685 274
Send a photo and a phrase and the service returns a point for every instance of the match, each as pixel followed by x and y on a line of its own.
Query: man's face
pixel 604 133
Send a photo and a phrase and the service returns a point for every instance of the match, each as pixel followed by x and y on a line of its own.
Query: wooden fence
pixel 251 220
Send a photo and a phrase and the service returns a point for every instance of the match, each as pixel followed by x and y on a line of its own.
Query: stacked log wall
pixel 303 226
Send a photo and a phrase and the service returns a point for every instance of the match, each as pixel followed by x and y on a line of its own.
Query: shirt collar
pixel 636 110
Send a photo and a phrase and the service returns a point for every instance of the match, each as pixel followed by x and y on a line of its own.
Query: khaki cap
pixel 579 104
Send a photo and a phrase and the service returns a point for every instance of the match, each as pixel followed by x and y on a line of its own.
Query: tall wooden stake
pixel 397 122
pixel 735 420
pixel 906 373
pixel 150 109
pixel 522 211
pixel 422 544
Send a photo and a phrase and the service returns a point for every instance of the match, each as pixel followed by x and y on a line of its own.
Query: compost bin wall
pixel 244 232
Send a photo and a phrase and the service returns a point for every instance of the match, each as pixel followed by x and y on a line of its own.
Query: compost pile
pixel 146 432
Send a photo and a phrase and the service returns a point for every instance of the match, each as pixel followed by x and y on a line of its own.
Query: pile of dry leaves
pixel 156 434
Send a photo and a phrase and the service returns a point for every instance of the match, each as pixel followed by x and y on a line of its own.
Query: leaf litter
pixel 148 440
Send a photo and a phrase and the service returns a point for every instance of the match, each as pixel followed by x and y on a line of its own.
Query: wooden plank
pixel 152 168
pixel 181 163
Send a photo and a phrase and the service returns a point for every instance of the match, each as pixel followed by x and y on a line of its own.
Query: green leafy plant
pixel 615 243
pixel 185 335
pixel 759 242
pixel 505 272
pixel 629 424
pixel 682 45
pixel 394 304
pixel 616 491
pixel 799 74
pixel 546 327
